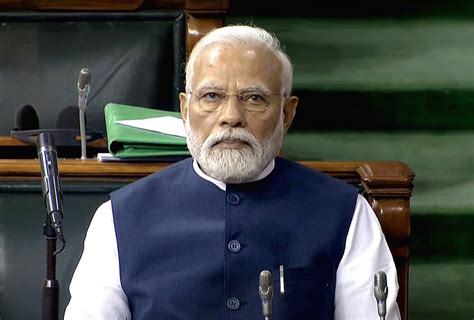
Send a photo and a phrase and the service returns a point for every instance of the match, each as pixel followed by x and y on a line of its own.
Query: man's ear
pixel 183 105
pixel 289 110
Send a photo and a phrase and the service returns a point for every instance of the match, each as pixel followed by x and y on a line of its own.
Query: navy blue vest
pixel 189 250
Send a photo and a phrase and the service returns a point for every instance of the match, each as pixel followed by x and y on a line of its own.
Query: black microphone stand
pixel 50 301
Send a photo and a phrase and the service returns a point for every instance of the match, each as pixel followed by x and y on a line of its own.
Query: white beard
pixel 234 165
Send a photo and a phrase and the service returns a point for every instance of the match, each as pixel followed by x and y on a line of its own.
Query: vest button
pixel 233 303
pixel 232 198
pixel 234 246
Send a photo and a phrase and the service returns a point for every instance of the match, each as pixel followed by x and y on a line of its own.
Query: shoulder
pixel 166 176
pixel 304 175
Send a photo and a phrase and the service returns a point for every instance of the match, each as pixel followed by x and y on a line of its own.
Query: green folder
pixel 129 142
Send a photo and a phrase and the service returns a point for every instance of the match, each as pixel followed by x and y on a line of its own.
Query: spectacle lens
pixel 213 100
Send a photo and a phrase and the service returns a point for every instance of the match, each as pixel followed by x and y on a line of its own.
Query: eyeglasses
pixel 213 99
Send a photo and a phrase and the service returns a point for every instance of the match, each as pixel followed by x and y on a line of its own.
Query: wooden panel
pixel 9 141
pixel 90 168
pixel 164 4
pixel 389 190
pixel 208 6
pixel 197 27
pixel 202 17
pixel 86 5
pixel 12 4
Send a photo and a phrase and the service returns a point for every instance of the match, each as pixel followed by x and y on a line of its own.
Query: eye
pixel 254 98
pixel 212 96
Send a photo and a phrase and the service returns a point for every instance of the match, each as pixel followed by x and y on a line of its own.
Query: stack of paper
pixel 143 133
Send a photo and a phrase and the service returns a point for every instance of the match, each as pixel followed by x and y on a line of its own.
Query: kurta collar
pixel 221 185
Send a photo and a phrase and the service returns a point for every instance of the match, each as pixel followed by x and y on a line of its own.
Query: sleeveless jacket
pixel 189 250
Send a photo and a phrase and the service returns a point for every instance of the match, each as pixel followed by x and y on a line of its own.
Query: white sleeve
pixel 96 291
pixel 366 253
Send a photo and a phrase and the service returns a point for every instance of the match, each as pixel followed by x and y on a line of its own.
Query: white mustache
pixel 231 134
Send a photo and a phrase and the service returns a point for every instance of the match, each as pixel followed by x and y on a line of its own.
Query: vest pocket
pixel 309 293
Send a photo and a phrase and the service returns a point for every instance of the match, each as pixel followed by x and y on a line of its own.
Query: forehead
pixel 237 68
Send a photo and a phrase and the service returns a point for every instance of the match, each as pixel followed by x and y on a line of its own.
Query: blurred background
pixel 377 80
pixel 392 80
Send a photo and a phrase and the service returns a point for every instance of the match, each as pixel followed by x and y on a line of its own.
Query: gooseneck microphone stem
pixel 381 293
pixel 82 127
pixel 50 291
pixel 265 291
pixel 52 227
pixel 83 89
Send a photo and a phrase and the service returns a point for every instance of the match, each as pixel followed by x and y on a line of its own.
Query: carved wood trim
pixel 389 190
pixel 202 17
pixel 206 6
pixel 197 27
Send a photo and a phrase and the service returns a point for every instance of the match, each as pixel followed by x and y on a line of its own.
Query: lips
pixel 231 143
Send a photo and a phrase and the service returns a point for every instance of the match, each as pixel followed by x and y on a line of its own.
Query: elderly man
pixel 190 242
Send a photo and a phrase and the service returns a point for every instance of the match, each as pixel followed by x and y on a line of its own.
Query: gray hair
pixel 243 35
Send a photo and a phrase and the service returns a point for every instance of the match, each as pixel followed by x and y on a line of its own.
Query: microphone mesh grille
pixel 380 280
pixel 84 78
pixel 265 280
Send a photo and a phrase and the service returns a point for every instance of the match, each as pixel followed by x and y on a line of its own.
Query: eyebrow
pixel 213 86
pixel 256 87
pixel 206 85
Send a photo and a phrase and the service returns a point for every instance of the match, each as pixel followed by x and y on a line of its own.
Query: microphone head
pixel 68 118
pixel 380 280
pixel 84 79
pixel 45 140
pixel 265 290
pixel 26 118
pixel 265 285
pixel 380 285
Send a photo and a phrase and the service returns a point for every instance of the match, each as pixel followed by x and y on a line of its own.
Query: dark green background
pixel 392 80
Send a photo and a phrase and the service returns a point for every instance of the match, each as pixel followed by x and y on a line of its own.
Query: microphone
pixel 26 118
pixel 381 292
pixel 50 183
pixel 265 290
pixel 68 119
pixel 83 89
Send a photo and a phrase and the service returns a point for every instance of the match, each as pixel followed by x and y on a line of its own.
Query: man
pixel 190 242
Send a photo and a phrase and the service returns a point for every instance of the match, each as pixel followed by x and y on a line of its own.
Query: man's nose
pixel 232 113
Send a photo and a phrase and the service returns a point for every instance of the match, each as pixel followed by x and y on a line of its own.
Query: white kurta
pixel 96 291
